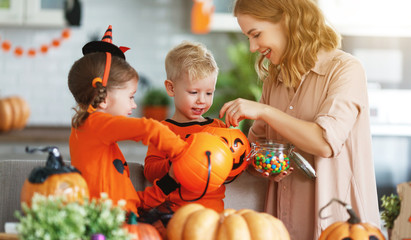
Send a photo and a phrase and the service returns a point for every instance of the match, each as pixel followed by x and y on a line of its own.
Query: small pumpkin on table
pixel 54 179
pixel 193 221
pixel 352 229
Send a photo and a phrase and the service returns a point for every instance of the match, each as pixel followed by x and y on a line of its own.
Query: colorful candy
pixel 270 162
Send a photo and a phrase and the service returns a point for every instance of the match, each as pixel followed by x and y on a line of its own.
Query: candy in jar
pixel 271 158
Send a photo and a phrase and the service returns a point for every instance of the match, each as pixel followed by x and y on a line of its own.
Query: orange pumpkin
pixel 239 146
pixel 195 222
pixel 14 113
pixel 54 179
pixel 352 229
pixel 23 114
pixel 140 231
pixel 6 115
pixel 205 164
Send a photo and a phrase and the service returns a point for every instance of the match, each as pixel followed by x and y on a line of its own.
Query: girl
pixel 103 85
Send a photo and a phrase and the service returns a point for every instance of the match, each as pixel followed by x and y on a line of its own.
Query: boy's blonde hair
pixel 190 58
pixel 306 31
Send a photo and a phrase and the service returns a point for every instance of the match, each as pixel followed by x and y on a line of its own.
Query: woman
pixel 315 97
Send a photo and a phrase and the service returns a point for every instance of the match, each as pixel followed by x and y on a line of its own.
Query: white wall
pixel 149 27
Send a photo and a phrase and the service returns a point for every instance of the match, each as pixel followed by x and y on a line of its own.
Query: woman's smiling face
pixel 265 37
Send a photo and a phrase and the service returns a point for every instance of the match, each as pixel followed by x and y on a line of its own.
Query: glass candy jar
pixel 270 158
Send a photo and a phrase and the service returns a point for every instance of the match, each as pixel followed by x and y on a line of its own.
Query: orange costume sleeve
pixel 94 151
pixel 157 163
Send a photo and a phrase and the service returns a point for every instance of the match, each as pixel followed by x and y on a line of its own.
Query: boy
pixel 191 79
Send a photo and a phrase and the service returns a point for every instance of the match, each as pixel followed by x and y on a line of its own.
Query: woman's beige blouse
pixel 334 95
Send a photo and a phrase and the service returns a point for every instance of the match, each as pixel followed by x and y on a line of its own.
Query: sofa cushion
pixel 246 191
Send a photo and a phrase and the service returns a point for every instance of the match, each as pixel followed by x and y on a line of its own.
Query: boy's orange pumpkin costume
pixel 94 150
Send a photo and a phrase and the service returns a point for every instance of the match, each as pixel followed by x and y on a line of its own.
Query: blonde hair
pixel 190 58
pixel 306 31
pixel 80 80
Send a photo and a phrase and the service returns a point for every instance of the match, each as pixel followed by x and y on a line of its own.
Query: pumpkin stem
pixel 354 219
pixel 132 218
pixel 54 160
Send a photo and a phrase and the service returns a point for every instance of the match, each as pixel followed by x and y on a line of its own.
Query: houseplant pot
pixel 155 104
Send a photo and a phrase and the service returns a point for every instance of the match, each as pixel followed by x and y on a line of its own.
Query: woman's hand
pixel 276 177
pixel 282 175
pixel 306 135
pixel 240 109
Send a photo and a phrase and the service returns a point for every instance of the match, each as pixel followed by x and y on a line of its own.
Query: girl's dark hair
pixel 80 80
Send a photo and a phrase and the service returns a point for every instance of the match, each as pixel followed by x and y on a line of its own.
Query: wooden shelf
pixel 37 134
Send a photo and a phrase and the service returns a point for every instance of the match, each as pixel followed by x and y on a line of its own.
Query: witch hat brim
pixel 100 46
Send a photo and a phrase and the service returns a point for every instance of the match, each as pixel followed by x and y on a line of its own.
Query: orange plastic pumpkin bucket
pixel 205 165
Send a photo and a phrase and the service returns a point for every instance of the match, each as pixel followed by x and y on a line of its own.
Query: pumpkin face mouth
pixel 237 165
pixel 238 160
pixel 240 152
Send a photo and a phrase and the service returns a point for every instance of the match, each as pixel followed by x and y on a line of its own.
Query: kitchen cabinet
pixel 32 13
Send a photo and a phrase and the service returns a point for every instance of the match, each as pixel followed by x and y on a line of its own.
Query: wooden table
pixel 8 236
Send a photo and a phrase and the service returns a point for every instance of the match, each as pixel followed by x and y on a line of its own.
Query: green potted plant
pixel 155 104
pixel 241 81
pixel 391 209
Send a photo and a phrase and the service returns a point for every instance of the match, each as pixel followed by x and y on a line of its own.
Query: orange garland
pixel 19 51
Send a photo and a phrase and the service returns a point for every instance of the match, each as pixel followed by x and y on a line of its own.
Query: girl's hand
pixel 240 109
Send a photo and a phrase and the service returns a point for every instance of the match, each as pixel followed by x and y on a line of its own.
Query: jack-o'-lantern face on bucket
pixel 238 144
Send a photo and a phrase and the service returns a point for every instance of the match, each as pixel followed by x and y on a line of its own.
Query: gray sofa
pixel 245 192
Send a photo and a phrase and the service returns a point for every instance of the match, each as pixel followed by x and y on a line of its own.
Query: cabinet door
pixel 11 12
pixel 45 13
